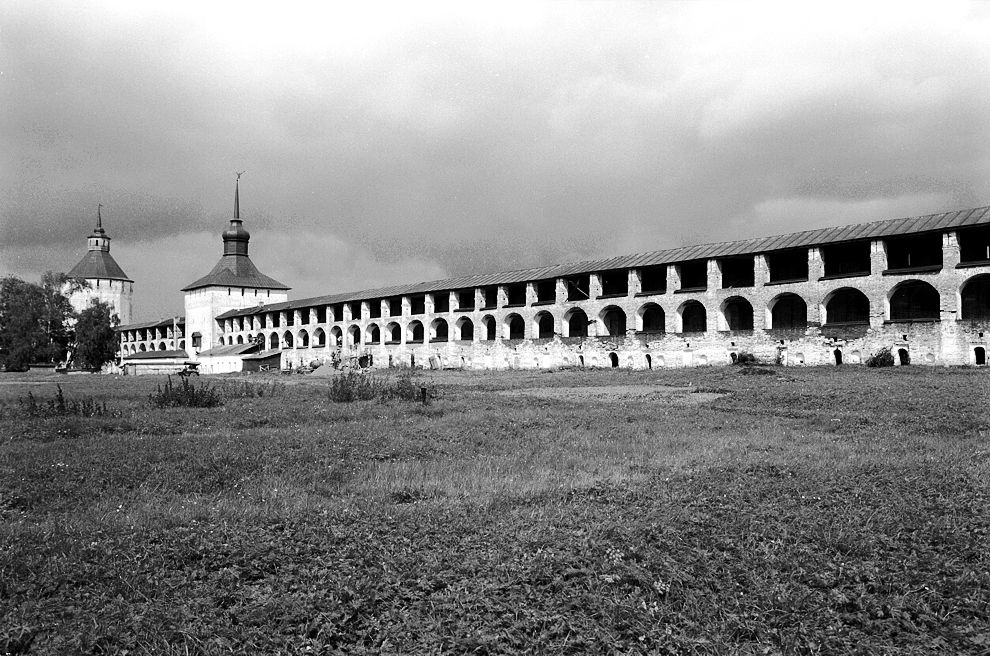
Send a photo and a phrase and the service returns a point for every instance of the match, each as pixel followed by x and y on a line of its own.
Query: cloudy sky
pixel 385 143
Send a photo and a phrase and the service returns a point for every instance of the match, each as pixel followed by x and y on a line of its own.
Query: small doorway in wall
pixel 580 360
pixel 412 361
pixel 981 355
pixel 838 356
pixel 649 361
pixel 614 359
pixel 903 357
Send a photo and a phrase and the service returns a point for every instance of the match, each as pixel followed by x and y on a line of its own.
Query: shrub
pixel 354 386
pixel 186 395
pixel 745 358
pixel 882 358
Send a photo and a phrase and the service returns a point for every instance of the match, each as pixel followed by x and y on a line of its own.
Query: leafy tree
pixel 96 341
pixel 58 313
pixel 22 312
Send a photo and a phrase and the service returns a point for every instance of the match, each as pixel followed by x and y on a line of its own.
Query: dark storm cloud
pixel 396 144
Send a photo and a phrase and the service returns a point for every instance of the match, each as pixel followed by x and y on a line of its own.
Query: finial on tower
pixel 237 195
pixel 99 216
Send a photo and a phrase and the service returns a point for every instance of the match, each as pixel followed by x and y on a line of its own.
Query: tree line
pixel 39 326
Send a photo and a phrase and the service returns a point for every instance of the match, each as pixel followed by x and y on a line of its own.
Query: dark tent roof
pixel 235 271
pixel 98 264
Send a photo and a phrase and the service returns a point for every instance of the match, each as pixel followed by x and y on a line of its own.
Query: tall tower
pixel 233 283
pixel 106 281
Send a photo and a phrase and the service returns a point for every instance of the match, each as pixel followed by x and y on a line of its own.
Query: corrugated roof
pixel 156 355
pixel 235 270
pixel 98 264
pixel 804 239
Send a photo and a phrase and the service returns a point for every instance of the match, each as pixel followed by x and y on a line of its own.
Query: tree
pixel 58 314
pixel 22 312
pixel 96 341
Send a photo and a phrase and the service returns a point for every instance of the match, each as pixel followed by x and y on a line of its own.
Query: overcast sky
pixel 387 143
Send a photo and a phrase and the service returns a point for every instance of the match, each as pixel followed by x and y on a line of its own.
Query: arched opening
pixel 847 306
pixel 903 357
pixel 143 348
pixel 393 333
pixel 465 329
pixel 738 313
pixel 287 340
pixel 515 327
pixel 354 336
pixel 914 300
pixel 577 323
pixel 976 298
pixel 336 335
pixel 580 360
pixel 649 361
pixel 980 354
pixel 489 327
pixel 415 332
pixel 544 325
pixel 652 318
pixel 182 345
pixel 303 339
pixel 613 321
pixel 319 337
pixel 613 359
pixel 439 331
pixel 240 339
pixel 694 317
pixel 161 346
pixel 273 341
pixel 374 334
pixel 838 356
pixel 788 312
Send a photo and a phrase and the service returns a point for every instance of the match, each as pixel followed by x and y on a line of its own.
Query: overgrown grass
pixel 816 511
pixel 30 406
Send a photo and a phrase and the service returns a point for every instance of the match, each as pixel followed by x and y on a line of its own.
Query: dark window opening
pixel 976 298
pixel 467 330
pixel 738 314
pixel 417 304
pixel 789 312
pixel 394 333
pixel 693 275
pixel 515 294
pixel 338 312
pixel 838 356
pixel 653 280
pixel 516 326
pixel 851 259
pixel 354 335
pixel 649 361
pixel 416 328
pixel 737 272
pixel 441 302
pixel 489 297
pixel 321 314
pixel 465 299
pixel 290 318
pixel 374 334
pixel 903 357
pixel 303 339
pixel 615 322
pixel 578 288
pixel 544 326
pixel 614 283
pixel 788 266
pixel 320 338
pixel 577 324
pixel 375 309
pixel 915 251
pixel 653 319
pixel 613 359
pixel 546 291
pixel 490 329
pixel 395 306
pixel 980 354
pixel 439 331
pixel 974 244
pixel 355 309
pixel 694 318
pixel 272 343
pixel 847 306
pixel 914 301
pixel 197 340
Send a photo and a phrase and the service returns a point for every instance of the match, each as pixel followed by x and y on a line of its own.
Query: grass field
pixel 808 511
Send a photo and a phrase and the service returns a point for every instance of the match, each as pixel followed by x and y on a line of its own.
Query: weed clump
pixel 186 395
pixel 355 386
pixel 745 358
pixel 882 358
pixel 59 406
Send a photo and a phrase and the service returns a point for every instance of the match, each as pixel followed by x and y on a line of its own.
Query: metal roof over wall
pixel 805 239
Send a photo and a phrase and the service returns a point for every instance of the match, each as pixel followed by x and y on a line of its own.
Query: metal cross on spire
pixel 237 195
pixel 99 216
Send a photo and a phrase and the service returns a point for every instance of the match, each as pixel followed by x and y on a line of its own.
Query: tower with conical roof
pixel 105 280
pixel 234 283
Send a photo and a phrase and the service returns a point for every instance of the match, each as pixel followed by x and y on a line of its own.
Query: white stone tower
pixel 233 283
pixel 106 281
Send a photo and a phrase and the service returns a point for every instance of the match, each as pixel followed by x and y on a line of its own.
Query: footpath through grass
pixel 810 511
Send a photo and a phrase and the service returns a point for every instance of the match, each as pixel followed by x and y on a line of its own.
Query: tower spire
pixel 99 216
pixel 237 195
